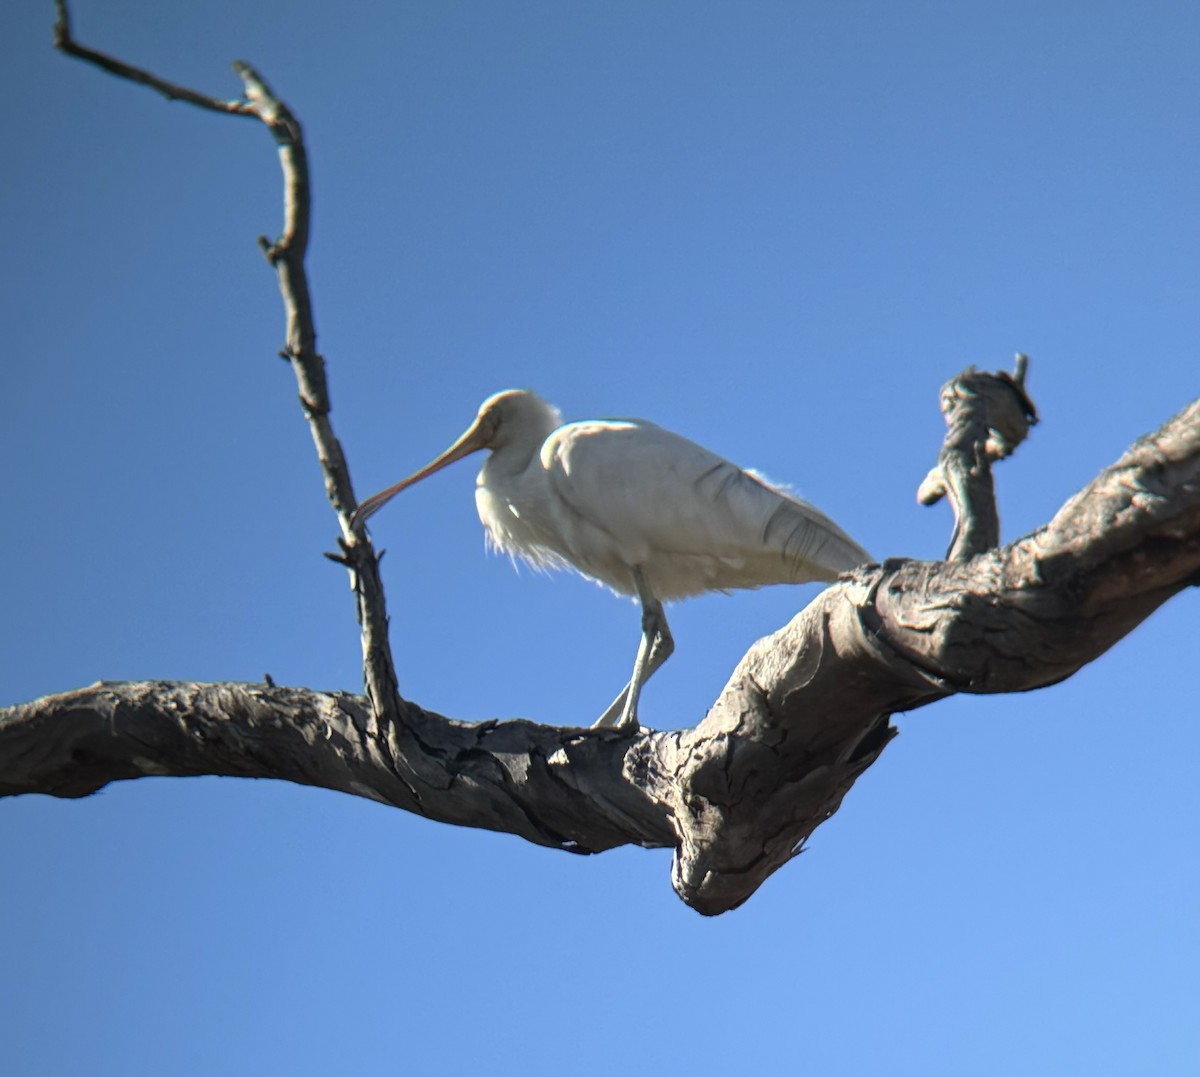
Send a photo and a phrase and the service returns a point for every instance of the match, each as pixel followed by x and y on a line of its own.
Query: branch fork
pixel 804 714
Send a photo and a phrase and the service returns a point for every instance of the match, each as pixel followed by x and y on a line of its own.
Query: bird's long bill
pixel 472 441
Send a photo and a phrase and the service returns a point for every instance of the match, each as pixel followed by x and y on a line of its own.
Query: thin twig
pixel 287 256
pixel 65 43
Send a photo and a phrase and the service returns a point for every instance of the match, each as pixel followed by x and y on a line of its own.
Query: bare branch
pixel 558 787
pixel 988 416
pixel 172 92
pixel 287 255
pixel 1035 611
pixel 804 714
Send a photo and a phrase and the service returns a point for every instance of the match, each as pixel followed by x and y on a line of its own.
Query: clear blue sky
pixel 774 227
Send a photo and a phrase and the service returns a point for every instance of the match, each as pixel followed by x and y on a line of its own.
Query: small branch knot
pixel 987 416
pixel 996 402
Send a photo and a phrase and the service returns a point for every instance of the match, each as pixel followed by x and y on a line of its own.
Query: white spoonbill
pixel 638 508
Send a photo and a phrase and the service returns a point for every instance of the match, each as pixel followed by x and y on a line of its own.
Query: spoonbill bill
pixel 638 508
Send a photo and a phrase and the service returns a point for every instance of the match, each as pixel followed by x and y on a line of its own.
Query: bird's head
pixel 511 417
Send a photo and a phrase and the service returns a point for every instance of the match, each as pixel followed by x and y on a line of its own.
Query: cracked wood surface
pixel 804 714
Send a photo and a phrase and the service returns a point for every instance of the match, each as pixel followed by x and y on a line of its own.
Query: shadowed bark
pixel 804 714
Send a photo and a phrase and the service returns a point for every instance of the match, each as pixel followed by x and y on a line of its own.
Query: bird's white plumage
pixel 603 496
pixel 641 509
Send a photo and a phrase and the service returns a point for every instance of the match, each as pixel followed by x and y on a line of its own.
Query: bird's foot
pixel 631 727
pixel 628 723
pixel 619 716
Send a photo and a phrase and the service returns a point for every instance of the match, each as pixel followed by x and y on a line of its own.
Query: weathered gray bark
pixel 804 714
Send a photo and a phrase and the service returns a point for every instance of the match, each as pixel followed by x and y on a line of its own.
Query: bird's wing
pixel 640 495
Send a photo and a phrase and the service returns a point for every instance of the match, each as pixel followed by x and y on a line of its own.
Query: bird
pixel 636 507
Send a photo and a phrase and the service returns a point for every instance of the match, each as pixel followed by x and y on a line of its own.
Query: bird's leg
pixel 615 709
pixel 654 649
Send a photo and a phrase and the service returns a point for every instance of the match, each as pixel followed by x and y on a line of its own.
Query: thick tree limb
pixel 552 786
pixel 804 714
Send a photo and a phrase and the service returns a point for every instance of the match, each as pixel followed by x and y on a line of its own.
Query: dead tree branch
pixel 805 713
pixel 287 255
pixel 64 42
pixel 556 787
pixel 988 416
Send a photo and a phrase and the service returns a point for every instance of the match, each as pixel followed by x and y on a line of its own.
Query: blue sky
pixel 776 228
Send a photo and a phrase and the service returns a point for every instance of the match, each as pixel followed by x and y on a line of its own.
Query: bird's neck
pixel 513 458
pixel 524 445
